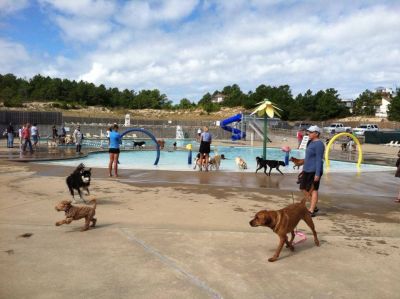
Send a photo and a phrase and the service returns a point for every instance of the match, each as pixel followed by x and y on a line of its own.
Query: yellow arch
pixel 328 147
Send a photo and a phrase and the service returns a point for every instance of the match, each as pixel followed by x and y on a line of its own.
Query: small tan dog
pixel 215 162
pixel 297 162
pixel 241 163
pixel 77 212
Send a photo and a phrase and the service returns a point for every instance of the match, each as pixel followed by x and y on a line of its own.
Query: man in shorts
pixel 313 167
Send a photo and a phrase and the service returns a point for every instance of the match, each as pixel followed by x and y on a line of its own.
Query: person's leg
pixel 314 200
pixel 116 157
pixel 110 163
pixel 30 145
pixel 206 158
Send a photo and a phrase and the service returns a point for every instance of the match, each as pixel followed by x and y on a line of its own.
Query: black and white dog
pixel 139 144
pixel 80 178
pixel 268 163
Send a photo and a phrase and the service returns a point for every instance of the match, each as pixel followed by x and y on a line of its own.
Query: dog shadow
pixel 98 226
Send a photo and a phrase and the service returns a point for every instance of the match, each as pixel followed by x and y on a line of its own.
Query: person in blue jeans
pixel 313 167
pixel 115 141
pixel 10 136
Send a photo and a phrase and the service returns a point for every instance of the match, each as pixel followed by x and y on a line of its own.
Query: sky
pixel 186 48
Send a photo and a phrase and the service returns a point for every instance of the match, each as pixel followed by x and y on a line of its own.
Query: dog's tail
pixel 95 202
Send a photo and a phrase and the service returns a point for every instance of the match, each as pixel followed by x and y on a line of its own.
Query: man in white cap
pixel 313 167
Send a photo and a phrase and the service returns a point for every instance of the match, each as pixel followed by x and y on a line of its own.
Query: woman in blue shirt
pixel 115 141
pixel 205 144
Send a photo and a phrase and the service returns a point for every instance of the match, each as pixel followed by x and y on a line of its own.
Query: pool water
pixel 178 160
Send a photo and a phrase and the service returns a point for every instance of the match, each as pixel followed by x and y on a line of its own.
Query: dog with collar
pixel 284 221
pixel 77 212
pixel 80 178
pixel 269 163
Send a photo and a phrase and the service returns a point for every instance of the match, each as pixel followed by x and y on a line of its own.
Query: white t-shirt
pixel 34 131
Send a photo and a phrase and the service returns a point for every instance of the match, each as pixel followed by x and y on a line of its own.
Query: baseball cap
pixel 314 129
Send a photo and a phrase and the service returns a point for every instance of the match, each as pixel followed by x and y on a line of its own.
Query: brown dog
pixel 297 162
pixel 76 213
pixel 283 222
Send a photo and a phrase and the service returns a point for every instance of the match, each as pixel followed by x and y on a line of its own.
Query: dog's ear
pixel 90 169
pixel 267 219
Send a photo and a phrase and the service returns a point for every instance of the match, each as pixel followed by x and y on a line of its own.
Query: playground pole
pixel 265 138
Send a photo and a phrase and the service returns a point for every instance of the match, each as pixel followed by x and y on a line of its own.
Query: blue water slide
pixel 236 133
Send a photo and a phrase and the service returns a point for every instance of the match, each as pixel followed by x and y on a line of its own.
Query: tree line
pixel 67 94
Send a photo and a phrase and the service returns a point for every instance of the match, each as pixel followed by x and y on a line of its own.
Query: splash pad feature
pixel 355 139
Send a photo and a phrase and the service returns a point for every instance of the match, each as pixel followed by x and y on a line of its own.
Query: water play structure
pixel 179 133
pixel 328 147
pixel 148 134
pixel 237 134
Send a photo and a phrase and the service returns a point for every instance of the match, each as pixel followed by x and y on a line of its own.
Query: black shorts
pixel 205 147
pixel 113 150
pixel 307 180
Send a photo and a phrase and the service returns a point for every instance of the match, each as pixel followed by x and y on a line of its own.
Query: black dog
pixel 80 178
pixel 268 163
pixel 138 143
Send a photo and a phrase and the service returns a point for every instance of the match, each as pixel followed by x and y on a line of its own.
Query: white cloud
pixel 188 48
pixel 141 14
pixel 12 6
pixel 98 9
pixel 12 56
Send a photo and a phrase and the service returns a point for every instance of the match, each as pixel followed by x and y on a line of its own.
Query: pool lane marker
pixel 167 261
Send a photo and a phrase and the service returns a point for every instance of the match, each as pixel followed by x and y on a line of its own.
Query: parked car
pixel 301 126
pixel 361 129
pixel 337 128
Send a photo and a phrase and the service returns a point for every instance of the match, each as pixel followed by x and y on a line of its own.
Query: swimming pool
pixel 178 160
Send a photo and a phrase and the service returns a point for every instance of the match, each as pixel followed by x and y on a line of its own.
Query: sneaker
pixel 312 214
pixel 316 210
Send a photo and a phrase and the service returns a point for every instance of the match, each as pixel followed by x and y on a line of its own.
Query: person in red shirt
pixel 26 138
pixel 300 135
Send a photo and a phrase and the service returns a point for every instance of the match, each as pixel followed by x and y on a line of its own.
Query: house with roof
pixel 386 98
pixel 218 98
pixel 349 103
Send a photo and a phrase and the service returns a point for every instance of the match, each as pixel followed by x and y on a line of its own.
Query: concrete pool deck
pixel 164 234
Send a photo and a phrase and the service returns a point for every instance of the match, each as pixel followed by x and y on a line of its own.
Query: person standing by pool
pixel 10 136
pixel 299 136
pixel 313 167
pixel 115 141
pixel 78 137
pixel 199 134
pixel 205 145
pixel 54 134
pixel 35 135
pixel 26 136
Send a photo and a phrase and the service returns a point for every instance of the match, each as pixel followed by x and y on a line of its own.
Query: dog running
pixel 139 144
pixel 269 163
pixel 297 162
pixel 283 222
pixel 241 163
pixel 77 212
pixel 80 178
